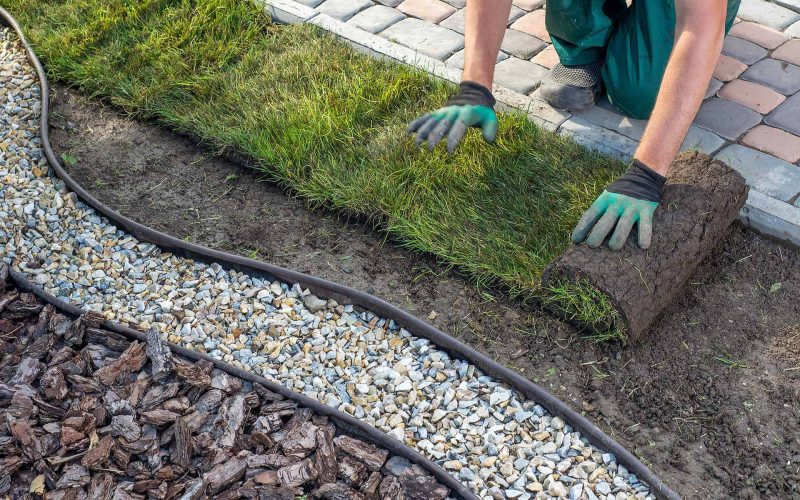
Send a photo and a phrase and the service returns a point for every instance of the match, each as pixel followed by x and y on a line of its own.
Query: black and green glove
pixel 631 199
pixel 473 106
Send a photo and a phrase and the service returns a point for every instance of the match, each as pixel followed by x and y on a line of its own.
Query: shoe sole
pixel 568 97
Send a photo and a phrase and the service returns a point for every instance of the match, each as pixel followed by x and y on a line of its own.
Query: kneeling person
pixel 653 59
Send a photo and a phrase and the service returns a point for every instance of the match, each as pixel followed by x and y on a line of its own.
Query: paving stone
pixel 753 95
pixel 434 11
pixel 774 141
pixel 785 115
pixel 519 75
pixel 726 118
pixel 763 172
pixel 713 86
pixel 515 14
pixel 538 111
pixel 376 18
pixel 780 75
pixel 343 9
pixel 789 52
pixel 767 13
pixel 698 139
pixel 456 21
pixel 529 4
pixel 794 30
pixel 521 44
pixel 605 115
pixel 457 59
pixel 426 38
pixel 599 139
pixel 728 68
pixel 390 3
pixel 789 4
pixel 458 4
pixel 766 37
pixel 532 23
pixel 743 50
pixel 772 217
pixel 289 12
pixel 309 3
pixel 547 57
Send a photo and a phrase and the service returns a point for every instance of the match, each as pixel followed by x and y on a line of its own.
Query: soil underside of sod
pixel 710 399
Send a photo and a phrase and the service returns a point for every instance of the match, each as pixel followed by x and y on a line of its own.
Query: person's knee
pixel 632 94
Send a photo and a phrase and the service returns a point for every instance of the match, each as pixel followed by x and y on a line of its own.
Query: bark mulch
pixel 86 413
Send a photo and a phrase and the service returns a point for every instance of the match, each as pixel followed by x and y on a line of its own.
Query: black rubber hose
pixel 342 294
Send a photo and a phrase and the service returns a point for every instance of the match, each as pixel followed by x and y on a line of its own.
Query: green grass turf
pixel 585 305
pixel 328 123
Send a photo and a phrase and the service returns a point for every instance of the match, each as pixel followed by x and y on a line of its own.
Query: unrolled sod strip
pixel 623 293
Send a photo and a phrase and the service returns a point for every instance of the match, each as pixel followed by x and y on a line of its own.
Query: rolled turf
pixel 328 123
pixel 626 291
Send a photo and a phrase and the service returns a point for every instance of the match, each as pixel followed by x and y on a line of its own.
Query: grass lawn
pixel 328 123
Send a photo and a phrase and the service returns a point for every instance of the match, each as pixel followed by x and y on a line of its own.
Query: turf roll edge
pixel 622 293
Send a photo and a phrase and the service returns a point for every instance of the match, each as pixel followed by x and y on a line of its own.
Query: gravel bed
pixel 481 431
pixel 91 414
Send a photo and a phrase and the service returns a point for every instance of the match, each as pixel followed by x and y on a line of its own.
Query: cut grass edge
pixel 581 303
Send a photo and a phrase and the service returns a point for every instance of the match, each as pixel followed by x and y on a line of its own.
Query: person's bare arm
pixel 484 30
pixel 699 32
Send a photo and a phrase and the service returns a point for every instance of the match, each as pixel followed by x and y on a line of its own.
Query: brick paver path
pixel 752 108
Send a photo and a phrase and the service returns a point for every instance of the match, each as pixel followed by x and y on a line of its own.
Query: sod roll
pixel 622 293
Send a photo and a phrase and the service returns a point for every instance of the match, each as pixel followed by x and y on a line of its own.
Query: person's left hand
pixel 631 199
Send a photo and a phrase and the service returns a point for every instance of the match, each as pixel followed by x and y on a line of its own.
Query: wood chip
pixel 159 354
pixel 88 417
pixel 297 474
pixel 225 474
pixel 373 457
pixel 130 361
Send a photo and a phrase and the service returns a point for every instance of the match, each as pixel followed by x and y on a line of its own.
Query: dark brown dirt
pixel 702 399
pixel 701 199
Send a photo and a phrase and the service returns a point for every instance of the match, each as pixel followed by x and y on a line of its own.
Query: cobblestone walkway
pixel 750 118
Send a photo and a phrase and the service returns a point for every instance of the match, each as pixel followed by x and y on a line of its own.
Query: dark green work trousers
pixel 635 42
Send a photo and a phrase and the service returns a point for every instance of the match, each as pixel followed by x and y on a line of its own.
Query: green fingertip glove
pixel 473 106
pixel 631 199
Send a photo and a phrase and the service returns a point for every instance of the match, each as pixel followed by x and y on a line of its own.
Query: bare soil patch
pixel 702 399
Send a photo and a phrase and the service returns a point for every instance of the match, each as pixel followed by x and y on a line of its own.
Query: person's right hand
pixel 473 106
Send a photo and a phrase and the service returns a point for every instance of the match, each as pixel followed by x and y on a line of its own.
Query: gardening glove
pixel 631 199
pixel 473 106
